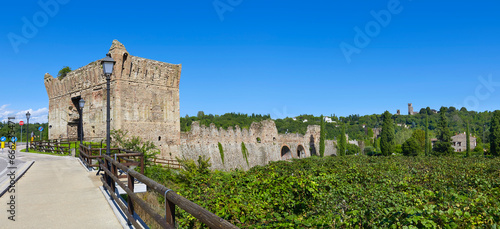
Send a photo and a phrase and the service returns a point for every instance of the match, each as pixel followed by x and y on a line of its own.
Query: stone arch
pixel 286 153
pixel 301 151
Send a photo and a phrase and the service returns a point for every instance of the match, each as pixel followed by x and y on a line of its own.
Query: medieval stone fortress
pixel 145 103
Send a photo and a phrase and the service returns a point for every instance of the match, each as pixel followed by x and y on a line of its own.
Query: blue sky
pixel 282 58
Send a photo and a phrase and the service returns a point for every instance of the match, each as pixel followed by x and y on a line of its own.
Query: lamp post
pixel 28 115
pixel 82 104
pixel 107 67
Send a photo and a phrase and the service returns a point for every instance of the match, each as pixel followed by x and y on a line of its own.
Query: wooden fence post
pixel 129 198
pixel 114 171
pixel 170 212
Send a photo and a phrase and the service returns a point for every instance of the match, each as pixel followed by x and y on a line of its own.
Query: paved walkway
pixel 57 192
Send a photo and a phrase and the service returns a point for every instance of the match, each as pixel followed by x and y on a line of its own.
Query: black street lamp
pixel 28 115
pixel 82 104
pixel 107 67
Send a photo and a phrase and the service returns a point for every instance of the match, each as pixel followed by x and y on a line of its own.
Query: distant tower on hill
pixel 398 112
pixel 410 109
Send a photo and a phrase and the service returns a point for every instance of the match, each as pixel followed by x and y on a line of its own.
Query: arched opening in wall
pixel 301 152
pixel 159 138
pixel 75 122
pixel 125 55
pixel 286 153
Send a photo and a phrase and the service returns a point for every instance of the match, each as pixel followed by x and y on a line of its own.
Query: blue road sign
pixel 40 128
pixel 14 139
pixel 3 139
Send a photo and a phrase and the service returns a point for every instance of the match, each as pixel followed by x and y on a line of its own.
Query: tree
pixel 467 150
pixel 369 133
pixel 352 149
pixel 427 140
pixel 495 133
pixel 136 144
pixel 387 135
pixel 410 147
pixel 322 135
pixel 376 144
pixel 63 72
pixel 200 114
pixel 419 135
pixel 429 111
pixel 401 135
pixel 443 145
pixel 343 142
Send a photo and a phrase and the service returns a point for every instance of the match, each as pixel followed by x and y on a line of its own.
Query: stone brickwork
pixel 144 100
pixel 262 140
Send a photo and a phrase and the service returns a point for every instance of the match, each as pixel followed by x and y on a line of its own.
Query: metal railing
pixel 110 166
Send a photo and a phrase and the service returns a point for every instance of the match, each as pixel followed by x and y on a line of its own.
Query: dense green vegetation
pixel 345 192
pixel 224 121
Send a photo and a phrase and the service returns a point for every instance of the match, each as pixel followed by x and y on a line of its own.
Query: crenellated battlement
pixel 128 68
pixel 264 131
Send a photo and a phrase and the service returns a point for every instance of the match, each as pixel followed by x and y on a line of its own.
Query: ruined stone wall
pixel 144 100
pixel 201 140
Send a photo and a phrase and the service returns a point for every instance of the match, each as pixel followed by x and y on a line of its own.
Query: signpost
pixel 41 133
pixel 21 123
pixel 2 139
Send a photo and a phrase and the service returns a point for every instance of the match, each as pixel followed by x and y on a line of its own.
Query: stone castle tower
pixel 144 100
pixel 410 109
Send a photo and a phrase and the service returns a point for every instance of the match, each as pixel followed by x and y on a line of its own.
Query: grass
pixel 74 145
pixel 38 152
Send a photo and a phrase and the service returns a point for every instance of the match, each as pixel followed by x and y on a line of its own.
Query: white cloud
pixel 40 115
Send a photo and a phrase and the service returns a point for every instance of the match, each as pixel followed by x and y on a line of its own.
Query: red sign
pixel 21 123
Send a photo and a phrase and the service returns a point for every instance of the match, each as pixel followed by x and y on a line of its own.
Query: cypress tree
pixel 467 132
pixel 427 140
pixel 443 145
pixel 495 134
pixel 387 145
pixel 322 135
pixel 343 142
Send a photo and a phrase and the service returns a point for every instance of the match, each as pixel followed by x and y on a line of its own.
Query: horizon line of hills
pixel 357 127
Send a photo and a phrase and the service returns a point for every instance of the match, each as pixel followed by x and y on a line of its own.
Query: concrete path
pixel 57 192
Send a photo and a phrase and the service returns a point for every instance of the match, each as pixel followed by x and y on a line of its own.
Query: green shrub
pixel 221 151
pixel 244 151
pixel 136 144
